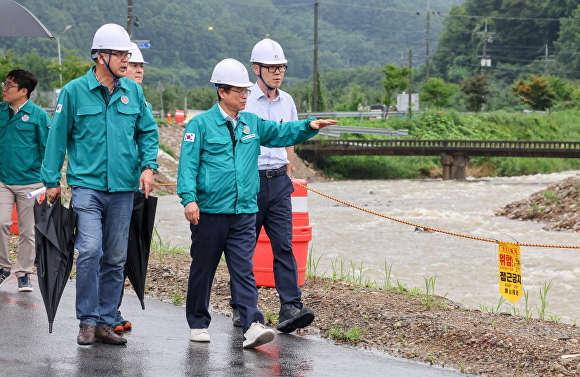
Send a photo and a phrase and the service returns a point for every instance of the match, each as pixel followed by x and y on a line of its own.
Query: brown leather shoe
pixel 86 334
pixel 105 334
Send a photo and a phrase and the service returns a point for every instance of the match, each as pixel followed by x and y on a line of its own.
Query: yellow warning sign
pixel 510 271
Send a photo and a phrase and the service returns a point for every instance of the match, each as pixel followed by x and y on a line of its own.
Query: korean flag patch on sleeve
pixel 189 137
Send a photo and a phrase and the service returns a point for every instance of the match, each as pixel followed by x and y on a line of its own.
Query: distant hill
pixel 188 37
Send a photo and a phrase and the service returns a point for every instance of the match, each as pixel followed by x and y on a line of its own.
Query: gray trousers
pixel 10 194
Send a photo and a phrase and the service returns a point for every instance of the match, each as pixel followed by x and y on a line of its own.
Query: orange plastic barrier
pixel 179 116
pixel 301 236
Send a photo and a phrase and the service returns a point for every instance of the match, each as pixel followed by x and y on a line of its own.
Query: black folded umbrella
pixel 55 233
pixel 140 234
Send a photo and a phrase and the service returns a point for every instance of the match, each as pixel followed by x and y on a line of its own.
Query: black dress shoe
pixel 292 318
pixel 86 335
pixel 105 334
pixel 236 317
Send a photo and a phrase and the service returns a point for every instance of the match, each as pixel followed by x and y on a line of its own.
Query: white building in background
pixel 403 102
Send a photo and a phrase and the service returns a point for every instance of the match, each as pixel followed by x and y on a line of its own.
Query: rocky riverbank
pixel 556 206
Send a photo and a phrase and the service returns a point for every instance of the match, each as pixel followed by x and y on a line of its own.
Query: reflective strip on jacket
pixel 221 178
pixel 107 146
pixel 22 143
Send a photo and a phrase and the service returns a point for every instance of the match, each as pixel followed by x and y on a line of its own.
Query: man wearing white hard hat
pixel 135 69
pixel 104 124
pixel 135 72
pixel 218 183
pixel 268 101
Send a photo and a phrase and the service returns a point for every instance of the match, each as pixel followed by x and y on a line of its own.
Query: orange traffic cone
pixel 169 117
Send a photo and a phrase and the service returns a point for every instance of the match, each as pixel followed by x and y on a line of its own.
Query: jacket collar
pixel 93 83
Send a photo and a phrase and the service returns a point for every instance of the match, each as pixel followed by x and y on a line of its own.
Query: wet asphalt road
pixel 159 346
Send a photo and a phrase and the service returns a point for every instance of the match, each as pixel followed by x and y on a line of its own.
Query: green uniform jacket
pixel 107 146
pixel 221 178
pixel 22 143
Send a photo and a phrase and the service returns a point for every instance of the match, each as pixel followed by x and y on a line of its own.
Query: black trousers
pixel 235 236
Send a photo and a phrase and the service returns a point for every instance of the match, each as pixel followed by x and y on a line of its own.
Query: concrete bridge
pixel 454 153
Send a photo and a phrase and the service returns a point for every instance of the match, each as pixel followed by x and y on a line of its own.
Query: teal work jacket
pixel 222 178
pixel 108 145
pixel 22 143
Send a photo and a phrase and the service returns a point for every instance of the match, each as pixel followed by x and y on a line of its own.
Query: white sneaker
pixel 199 335
pixel 258 335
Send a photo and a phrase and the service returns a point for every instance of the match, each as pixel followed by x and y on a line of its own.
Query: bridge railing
pixel 455 144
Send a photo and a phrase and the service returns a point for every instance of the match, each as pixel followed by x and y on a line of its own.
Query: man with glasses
pixel 218 183
pixel 135 72
pixel 274 199
pixel 103 121
pixel 23 132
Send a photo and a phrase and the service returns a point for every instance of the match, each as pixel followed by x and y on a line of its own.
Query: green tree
pixel 568 42
pixel 437 93
pixel 35 63
pixel 356 97
pixel 72 67
pixel 7 64
pixel 561 88
pixel 395 80
pixel 535 92
pixel 321 99
pixel 201 98
pixel 476 88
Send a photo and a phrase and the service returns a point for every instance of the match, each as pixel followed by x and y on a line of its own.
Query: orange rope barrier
pixel 409 223
pixel 426 227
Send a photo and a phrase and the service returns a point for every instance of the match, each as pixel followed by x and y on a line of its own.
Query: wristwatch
pixel 149 167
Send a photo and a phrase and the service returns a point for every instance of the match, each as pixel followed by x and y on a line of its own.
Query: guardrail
pixel 335 131
pixel 349 114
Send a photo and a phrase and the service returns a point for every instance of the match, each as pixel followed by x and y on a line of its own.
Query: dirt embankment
pixel 556 206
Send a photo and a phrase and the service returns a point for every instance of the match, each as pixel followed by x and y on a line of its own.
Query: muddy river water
pixel 465 269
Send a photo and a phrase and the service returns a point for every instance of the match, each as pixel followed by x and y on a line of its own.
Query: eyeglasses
pixel 8 86
pixel 273 69
pixel 121 55
pixel 242 93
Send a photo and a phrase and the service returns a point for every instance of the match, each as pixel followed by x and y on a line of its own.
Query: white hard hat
pixel 231 72
pixel 111 37
pixel 136 55
pixel 268 51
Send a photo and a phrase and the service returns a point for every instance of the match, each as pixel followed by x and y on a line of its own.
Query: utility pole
pixel 427 40
pixel 315 75
pixel 547 60
pixel 129 16
pixel 485 61
pixel 410 81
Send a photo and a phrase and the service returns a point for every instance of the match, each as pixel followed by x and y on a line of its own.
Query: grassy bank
pixel 500 125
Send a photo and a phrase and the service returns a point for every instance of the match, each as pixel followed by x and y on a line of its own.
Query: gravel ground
pixel 423 328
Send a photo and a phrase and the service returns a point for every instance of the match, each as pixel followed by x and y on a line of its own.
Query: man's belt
pixel 271 173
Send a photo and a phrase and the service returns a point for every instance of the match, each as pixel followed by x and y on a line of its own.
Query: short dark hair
pixel 24 79
pixel 224 87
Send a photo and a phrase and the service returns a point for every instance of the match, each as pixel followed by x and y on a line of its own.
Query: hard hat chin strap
pixel 115 78
pixel 268 88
